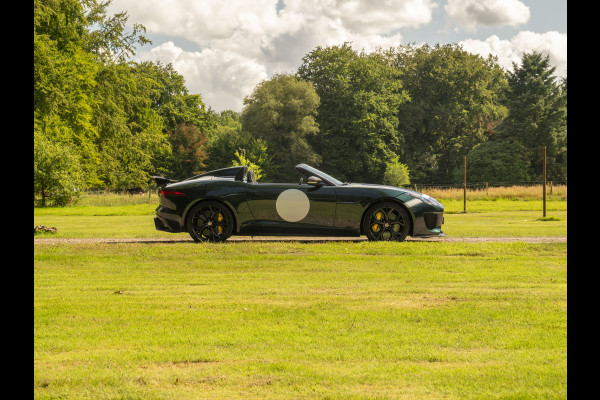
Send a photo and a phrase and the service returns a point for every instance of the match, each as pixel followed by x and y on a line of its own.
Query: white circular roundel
pixel 292 205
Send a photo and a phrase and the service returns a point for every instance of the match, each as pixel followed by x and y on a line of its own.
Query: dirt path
pixel 540 239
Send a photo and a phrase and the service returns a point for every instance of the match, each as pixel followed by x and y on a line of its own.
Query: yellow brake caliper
pixel 219 219
pixel 376 227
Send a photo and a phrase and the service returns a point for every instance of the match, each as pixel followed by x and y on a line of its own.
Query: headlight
pixel 430 200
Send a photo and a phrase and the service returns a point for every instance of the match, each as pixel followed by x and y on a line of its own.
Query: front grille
pixel 433 220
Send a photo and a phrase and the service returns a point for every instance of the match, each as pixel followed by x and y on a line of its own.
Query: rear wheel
pixel 386 221
pixel 210 221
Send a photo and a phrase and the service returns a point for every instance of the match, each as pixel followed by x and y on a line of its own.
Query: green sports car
pixel 229 201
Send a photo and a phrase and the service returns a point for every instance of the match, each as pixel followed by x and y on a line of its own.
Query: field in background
pixel 553 193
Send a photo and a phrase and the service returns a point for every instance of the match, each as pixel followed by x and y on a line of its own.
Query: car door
pixel 289 208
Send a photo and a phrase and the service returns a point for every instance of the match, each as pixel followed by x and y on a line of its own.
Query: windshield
pixel 309 171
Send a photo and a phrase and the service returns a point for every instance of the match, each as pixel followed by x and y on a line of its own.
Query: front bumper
pixel 429 224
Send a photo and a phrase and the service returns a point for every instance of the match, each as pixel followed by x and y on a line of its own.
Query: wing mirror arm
pixel 315 181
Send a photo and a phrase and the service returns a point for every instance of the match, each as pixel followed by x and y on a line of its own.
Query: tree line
pixel 398 115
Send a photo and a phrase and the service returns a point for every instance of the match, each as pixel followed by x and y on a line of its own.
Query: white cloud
pixel 244 42
pixel 223 78
pixel 470 14
pixel 553 44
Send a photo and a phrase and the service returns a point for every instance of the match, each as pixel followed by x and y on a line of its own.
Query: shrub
pixel 57 176
pixel 396 174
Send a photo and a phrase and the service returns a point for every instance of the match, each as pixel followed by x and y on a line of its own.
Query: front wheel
pixel 386 221
pixel 210 221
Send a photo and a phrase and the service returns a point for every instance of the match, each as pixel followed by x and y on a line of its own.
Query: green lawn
pixel 297 320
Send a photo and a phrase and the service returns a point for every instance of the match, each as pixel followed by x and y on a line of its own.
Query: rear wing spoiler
pixel 162 181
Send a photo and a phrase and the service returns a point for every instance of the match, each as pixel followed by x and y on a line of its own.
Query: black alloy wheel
pixel 210 221
pixel 386 221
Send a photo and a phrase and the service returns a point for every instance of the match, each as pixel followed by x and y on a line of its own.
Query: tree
pixel 496 161
pixel 64 76
pixel 131 139
pixel 396 174
pixel 537 117
pixel 189 151
pixel 57 175
pixel 360 94
pixel 89 101
pixel 281 111
pixel 171 99
pixel 454 105
pixel 242 160
pixel 113 114
pixel 227 138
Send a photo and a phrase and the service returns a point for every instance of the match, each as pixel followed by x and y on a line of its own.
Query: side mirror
pixel 315 181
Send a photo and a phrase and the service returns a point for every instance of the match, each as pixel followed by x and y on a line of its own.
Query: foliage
pixel 64 78
pixel 131 139
pixel 396 174
pixel 242 160
pixel 496 161
pixel 57 173
pixel 189 151
pixel 227 138
pixel 454 106
pixel 281 111
pixel 112 115
pixel 349 113
pixel 172 100
pixel 537 117
pixel 359 94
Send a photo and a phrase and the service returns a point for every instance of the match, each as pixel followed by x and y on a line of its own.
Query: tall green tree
pixel 537 104
pixel 227 138
pixel 360 94
pixel 57 172
pixel 189 151
pixel 454 105
pixel 113 113
pixel 64 77
pixel 171 99
pixel 131 139
pixel 281 111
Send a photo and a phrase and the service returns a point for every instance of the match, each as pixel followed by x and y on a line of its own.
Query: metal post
pixel 465 185
pixel 544 190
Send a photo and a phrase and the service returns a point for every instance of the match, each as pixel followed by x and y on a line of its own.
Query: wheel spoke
pixel 214 233
pixel 395 219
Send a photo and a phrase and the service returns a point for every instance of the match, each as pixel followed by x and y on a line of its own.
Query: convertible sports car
pixel 229 201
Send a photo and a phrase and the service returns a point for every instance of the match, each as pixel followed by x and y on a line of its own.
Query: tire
pixel 386 222
pixel 210 221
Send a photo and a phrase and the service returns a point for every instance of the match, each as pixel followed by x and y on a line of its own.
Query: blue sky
pixel 224 48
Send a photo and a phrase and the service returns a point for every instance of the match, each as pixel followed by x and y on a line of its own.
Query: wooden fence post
pixel 544 190
pixel 465 185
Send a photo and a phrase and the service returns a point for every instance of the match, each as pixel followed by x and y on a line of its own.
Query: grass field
pixel 275 320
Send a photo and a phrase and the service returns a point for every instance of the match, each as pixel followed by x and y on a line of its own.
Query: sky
pixel 224 48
